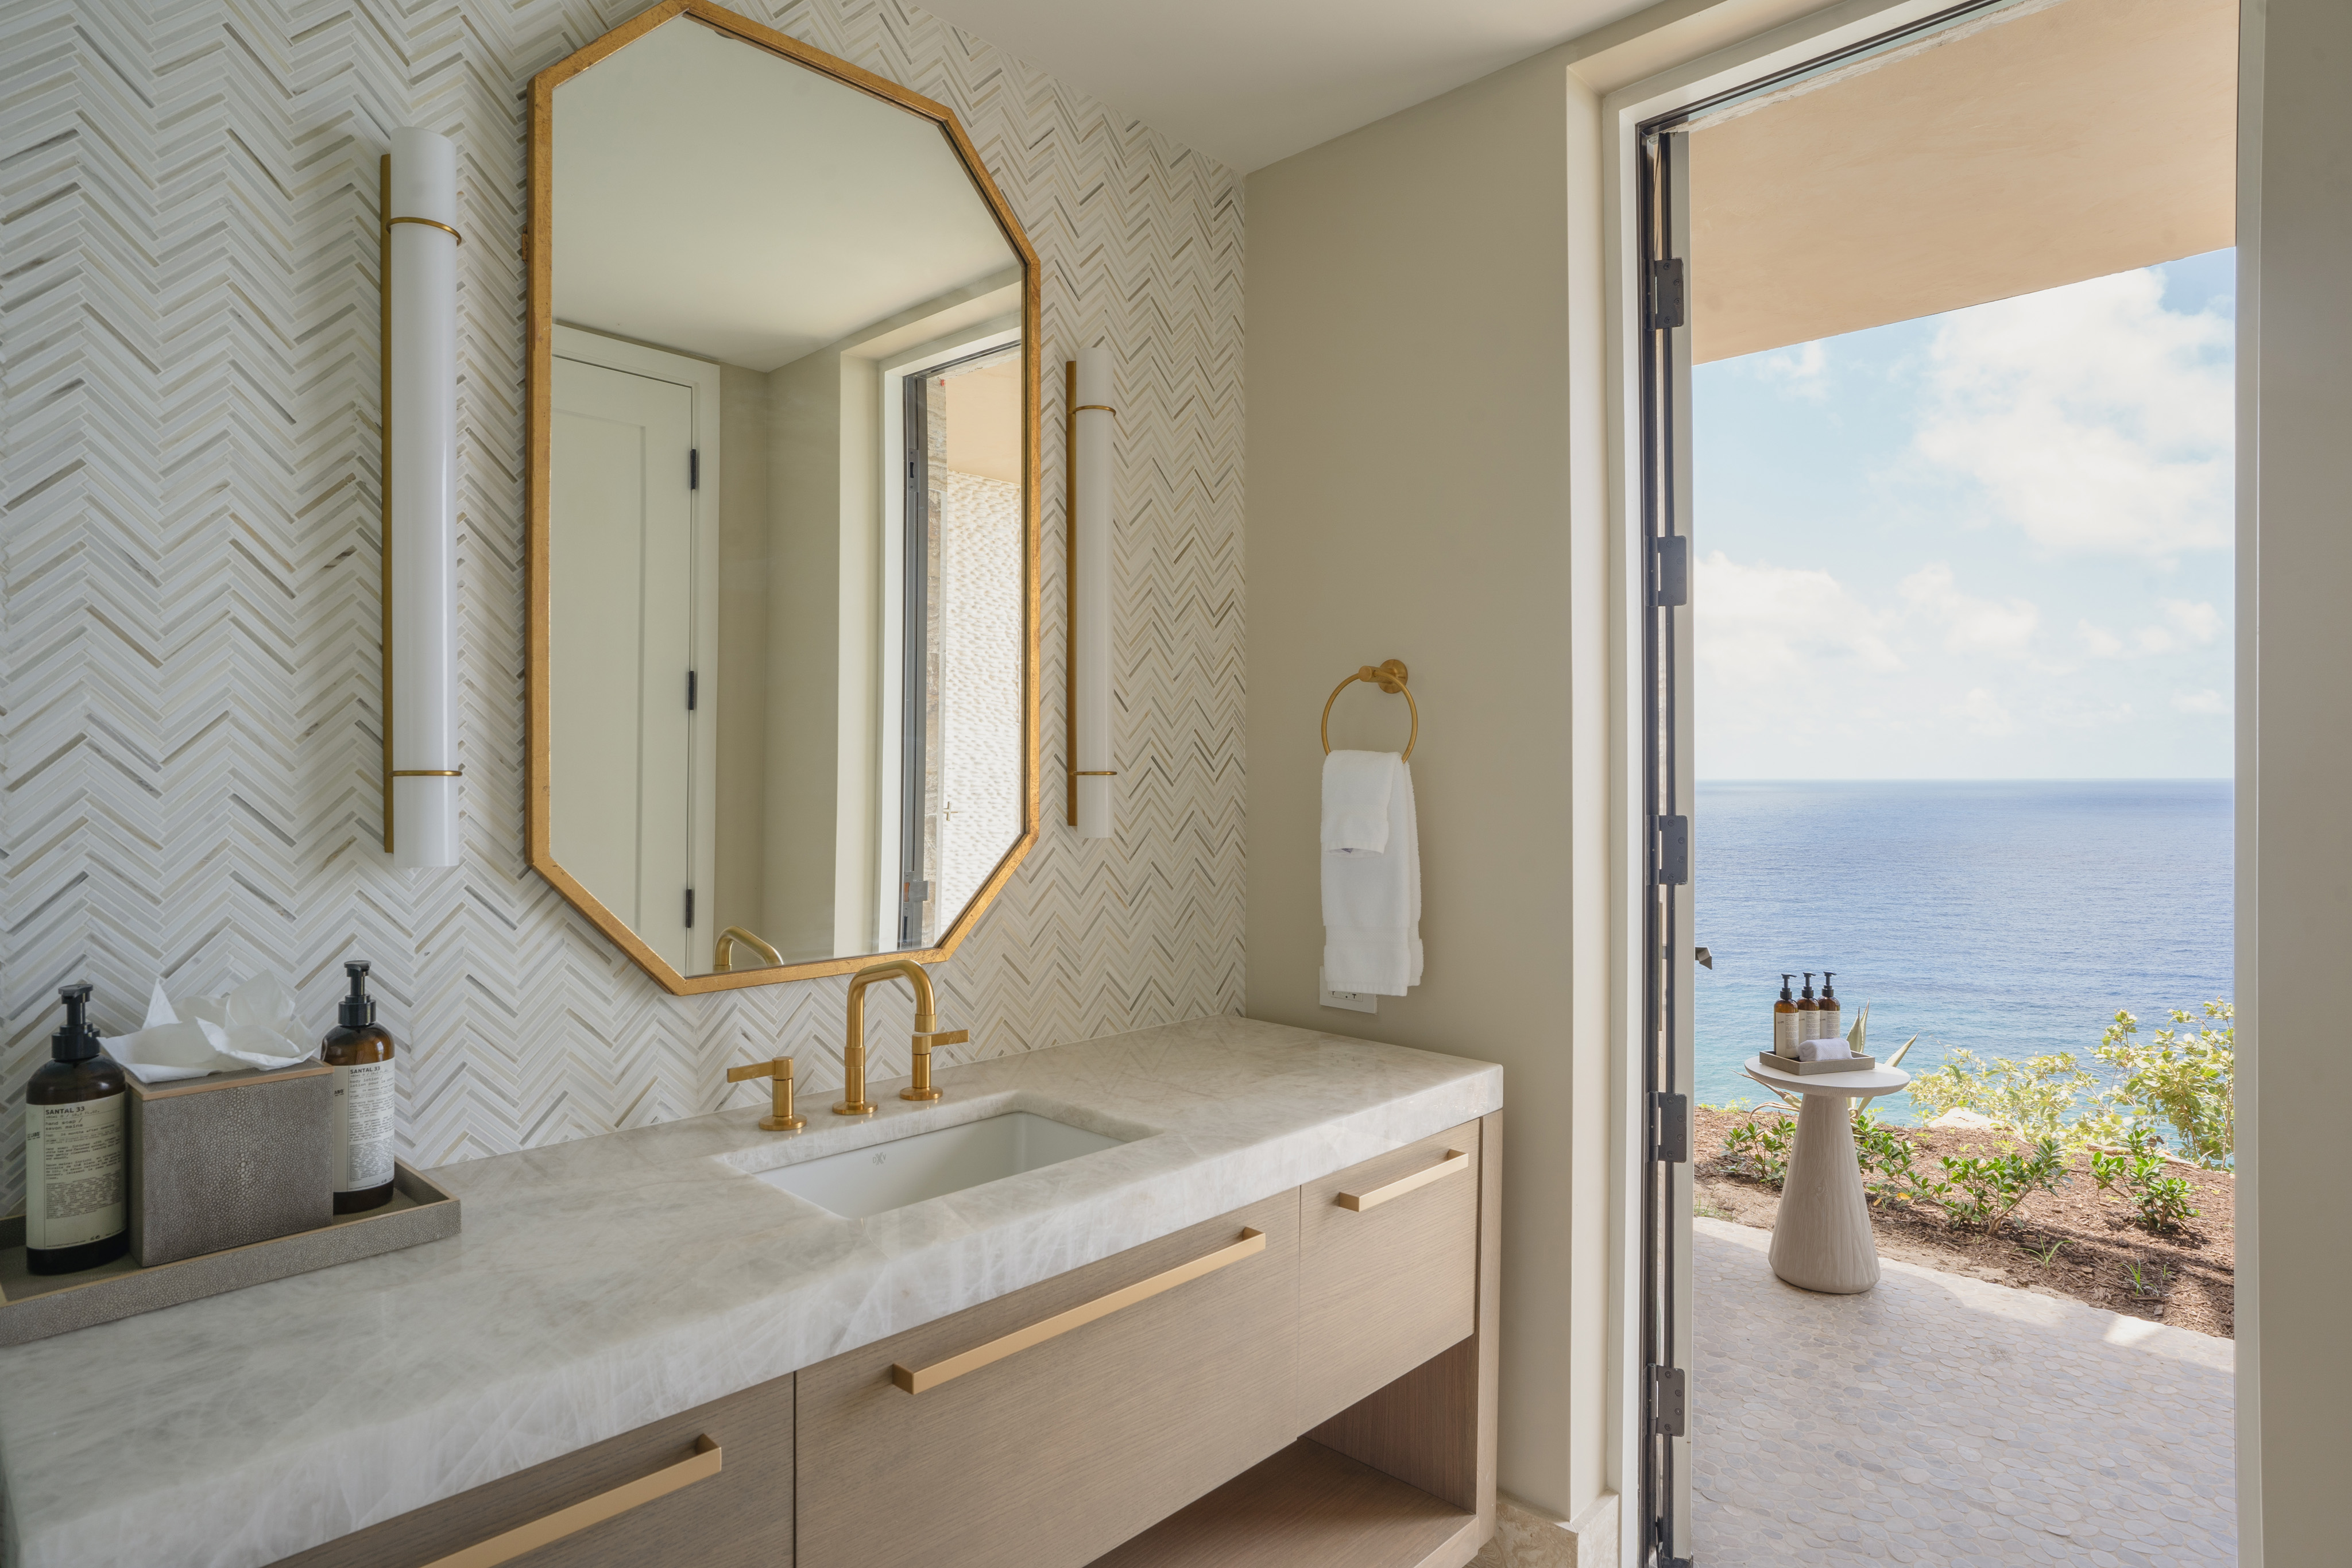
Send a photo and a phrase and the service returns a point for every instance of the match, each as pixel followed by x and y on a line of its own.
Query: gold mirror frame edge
pixel 538 378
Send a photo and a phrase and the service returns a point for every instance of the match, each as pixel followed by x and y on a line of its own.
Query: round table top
pixel 1868 1082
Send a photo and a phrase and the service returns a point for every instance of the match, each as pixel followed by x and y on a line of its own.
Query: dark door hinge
pixel 1669 1402
pixel 1666 303
pixel 694 468
pixel 1669 1127
pixel 1674 851
pixel 689 909
pixel 690 692
pixel 1670 572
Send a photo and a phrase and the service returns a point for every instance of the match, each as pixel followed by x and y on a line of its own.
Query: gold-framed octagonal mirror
pixel 782 496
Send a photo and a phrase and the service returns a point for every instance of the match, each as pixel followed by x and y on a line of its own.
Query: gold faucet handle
pixel 779 1117
pixel 918 1087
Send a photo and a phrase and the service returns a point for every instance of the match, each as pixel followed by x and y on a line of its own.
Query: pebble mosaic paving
pixel 1948 1421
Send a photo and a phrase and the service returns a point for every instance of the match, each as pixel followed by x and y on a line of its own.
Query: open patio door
pixel 1664 340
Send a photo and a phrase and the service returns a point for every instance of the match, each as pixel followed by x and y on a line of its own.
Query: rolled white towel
pixel 1827 1048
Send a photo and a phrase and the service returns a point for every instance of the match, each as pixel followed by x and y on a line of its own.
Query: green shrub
pixel 1990 1187
pixel 2182 1075
pixel 2035 1097
pixel 2160 1202
pixel 1760 1149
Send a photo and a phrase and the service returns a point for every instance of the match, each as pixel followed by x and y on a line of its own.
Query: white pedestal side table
pixel 1820 1238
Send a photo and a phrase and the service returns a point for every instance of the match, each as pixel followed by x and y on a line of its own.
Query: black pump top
pixel 1827 995
pixel 1809 985
pixel 359 1008
pixel 77 1041
pixel 1784 987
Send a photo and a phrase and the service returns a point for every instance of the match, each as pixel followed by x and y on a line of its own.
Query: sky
pixel 1990 544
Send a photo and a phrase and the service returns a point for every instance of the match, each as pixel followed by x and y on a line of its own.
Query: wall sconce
pixel 1092 413
pixel 420 499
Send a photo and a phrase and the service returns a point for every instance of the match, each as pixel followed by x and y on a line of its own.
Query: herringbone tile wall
pixel 189 660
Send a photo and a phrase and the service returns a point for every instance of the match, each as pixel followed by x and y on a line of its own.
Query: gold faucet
pixel 722 957
pixel 779 1117
pixel 928 1034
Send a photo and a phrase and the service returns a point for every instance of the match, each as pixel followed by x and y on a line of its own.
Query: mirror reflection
pixel 787 522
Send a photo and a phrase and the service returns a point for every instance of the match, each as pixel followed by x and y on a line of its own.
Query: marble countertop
pixel 601 1284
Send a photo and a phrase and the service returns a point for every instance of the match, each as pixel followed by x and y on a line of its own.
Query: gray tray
pixel 37 1306
pixel 1795 1068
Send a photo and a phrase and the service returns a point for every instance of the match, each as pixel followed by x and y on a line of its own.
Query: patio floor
pixel 1945 1420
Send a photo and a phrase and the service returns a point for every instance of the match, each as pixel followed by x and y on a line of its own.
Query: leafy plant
pixel 1990 1187
pixel 1885 1156
pixel 2146 1279
pixel 1761 1148
pixel 2036 1098
pixel 2135 1172
pixel 2049 1254
pixel 2183 1074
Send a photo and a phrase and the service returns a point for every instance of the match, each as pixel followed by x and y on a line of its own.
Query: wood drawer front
pixel 1383 1290
pixel 741 1516
pixel 1056 1453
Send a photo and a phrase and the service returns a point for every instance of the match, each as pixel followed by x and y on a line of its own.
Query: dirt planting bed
pixel 2076 1241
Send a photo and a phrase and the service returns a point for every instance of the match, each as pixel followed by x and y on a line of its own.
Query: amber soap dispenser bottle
pixel 1784 1022
pixel 360 1050
pixel 76 1211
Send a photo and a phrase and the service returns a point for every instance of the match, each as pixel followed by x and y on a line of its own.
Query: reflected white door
pixel 621 633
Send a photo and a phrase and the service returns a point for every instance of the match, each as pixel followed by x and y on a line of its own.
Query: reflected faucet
pixel 722 957
pixel 928 1034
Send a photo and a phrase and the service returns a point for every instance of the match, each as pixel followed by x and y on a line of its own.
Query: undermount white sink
pixel 883 1177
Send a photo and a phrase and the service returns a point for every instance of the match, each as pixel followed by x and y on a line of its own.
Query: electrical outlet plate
pixel 1354 1001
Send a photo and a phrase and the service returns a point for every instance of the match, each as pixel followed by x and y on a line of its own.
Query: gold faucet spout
pixel 723 956
pixel 926 1034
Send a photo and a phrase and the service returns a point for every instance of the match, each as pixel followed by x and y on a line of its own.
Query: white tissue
pixel 253 1025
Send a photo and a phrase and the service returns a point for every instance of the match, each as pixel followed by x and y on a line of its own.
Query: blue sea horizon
pixel 2010 918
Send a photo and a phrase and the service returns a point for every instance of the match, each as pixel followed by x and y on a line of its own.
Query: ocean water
pixel 2007 918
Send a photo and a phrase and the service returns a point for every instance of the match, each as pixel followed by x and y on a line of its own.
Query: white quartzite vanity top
pixel 601 1284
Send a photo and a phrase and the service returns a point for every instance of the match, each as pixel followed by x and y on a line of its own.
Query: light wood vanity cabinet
pixel 1384 1286
pixel 1304 1382
pixel 1058 1452
pixel 660 1497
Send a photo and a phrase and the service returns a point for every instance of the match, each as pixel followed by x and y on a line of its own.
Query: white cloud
pixel 1802 370
pixel 2200 702
pixel 2185 625
pixel 2090 416
pixel 2198 622
pixel 1761 626
pixel 1972 625
pixel 1984 715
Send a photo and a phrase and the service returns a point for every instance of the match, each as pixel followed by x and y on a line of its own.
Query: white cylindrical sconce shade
pixel 1092 407
pixel 421 498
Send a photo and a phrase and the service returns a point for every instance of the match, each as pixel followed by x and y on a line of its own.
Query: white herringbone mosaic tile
pixel 188 572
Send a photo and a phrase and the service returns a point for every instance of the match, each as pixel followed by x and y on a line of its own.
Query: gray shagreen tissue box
pixel 228 1160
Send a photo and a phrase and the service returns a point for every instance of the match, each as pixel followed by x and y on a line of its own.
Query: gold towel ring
pixel 1390 678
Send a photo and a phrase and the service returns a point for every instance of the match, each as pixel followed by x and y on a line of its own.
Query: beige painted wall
pixel 2295 845
pixel 1410 354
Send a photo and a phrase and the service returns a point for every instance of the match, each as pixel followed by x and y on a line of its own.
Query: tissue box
pixel 228 1160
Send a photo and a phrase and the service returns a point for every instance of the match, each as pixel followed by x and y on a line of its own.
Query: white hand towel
pixel 1371 901
pixel 1355 801
pixel 1829 1048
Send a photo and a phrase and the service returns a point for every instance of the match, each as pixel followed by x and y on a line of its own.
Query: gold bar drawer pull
pixel 915 1380
pixel 1455 1160
pixel 605 1505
